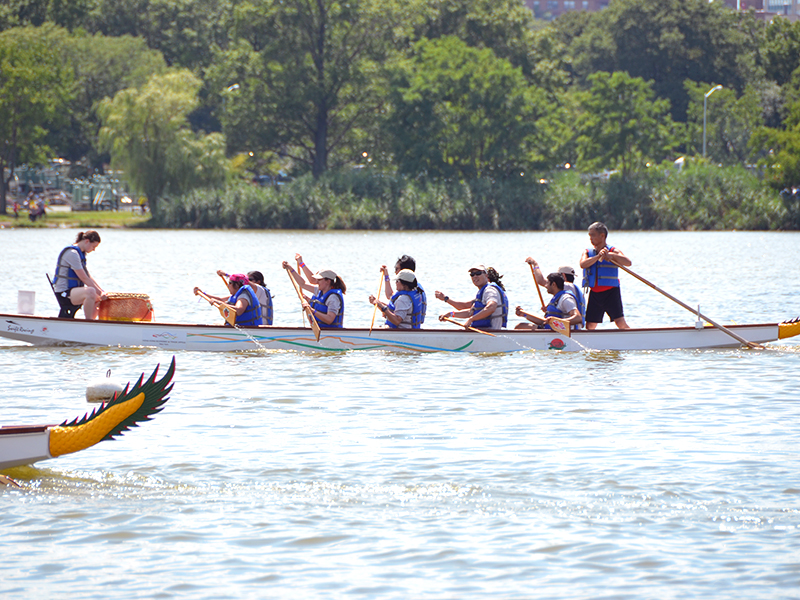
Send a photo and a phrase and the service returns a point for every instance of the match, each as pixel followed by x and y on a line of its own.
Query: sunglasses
pixel 476 273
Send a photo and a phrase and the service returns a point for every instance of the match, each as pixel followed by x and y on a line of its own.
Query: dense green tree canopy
pixel 623 125
pixel 35 86
pixel 668 42
pixel 305 77
pixel 459 112
pixel 147 132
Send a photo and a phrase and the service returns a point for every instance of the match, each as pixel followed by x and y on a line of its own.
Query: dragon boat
pixel 27 444
pixel 51 331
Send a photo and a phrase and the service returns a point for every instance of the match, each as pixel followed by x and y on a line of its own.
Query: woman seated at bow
pixel 243 299
pixel 328 289
pixel 404 311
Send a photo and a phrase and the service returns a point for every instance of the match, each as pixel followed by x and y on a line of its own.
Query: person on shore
pixel 489 309
pixel 562 306
pixel 242 298
pixel 328 289
pixel 404 262
pixel 404 311
pixel 72 284
pixel 569 284
pixel 601 276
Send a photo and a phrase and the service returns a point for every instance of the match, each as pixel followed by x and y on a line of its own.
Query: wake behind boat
pixel 51 331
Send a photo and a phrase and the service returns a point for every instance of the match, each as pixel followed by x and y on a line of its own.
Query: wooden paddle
pixel 314 325
pixel 735 336
pixel 538 289
pixel 374 310
pixel 561 326
pixel 227 311
pixel 469 328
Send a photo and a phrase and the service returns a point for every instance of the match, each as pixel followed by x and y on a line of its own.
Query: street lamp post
pixel 705 104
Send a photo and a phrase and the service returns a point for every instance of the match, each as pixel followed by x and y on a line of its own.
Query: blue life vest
pixel 600 273
pixel 252 316
pixel 318 304
pixel 579 300
pixel 478 305
pixel 267 318
pixel 72 277
pixel 423 299
pixel 416 308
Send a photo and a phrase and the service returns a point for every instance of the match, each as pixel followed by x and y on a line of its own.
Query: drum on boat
pixel 125 307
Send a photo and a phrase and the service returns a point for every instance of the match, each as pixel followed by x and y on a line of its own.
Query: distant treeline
pixel 699 197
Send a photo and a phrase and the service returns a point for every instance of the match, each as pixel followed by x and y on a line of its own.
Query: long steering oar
pixel 306 307
pixel 374 310
pixel 735 336
pixel 538 289
pixel 468 327
pixel 227 311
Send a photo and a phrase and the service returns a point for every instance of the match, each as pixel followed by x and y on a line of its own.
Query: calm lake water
pixel 374 475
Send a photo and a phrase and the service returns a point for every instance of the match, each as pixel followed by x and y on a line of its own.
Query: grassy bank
pixel 77 220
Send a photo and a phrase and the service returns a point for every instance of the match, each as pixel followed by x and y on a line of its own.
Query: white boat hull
pixel 23 445
pixel 49 331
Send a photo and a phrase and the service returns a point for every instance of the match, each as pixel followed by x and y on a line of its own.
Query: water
pixel 376 475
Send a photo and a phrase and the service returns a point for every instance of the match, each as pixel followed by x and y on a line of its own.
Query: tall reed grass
pixel 701 197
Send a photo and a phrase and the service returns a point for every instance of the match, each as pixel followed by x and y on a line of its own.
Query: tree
pixel 35 84
pixel 782 156
pixel 147 132
pixel 307 76
pixel 102 67
pixel 185 31
pixel 668 42
pixel 623 125
pixel 781 50
pixel 460 112
pixel 730 121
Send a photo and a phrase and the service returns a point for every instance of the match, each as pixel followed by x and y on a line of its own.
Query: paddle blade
pixel 561 326
pixel 228 314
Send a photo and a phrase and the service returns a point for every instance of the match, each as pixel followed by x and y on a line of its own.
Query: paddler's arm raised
pixel 301 266
pixel 537 272
pixel 454 303
pixel 298 278
pixel 387 283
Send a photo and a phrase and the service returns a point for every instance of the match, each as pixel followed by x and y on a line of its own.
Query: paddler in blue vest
pixel 489 309
pixel 327 302
pixel 601 276
pixel 404 262
pixel 243 299
pixel 72 283
pixel 561 306
pixel 569 284
pixel 404 311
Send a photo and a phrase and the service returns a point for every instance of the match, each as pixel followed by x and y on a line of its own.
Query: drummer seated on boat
pixel 562 306
pixel 243 299
pixel 489 309
pixel 404 311
pixel 327 303
pixel 72 283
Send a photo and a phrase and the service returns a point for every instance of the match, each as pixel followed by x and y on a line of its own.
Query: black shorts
pixel 68 309
pixel 608 303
